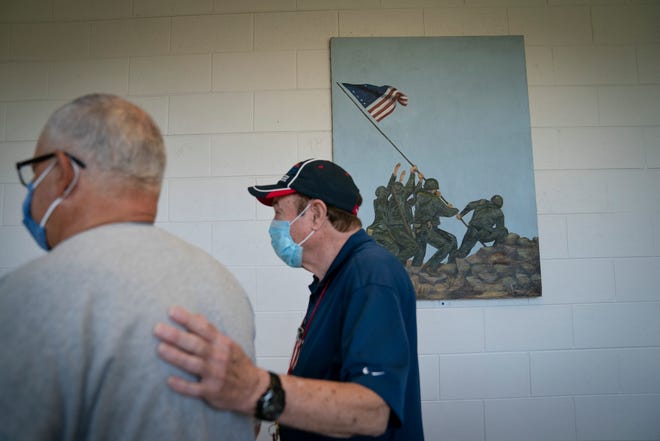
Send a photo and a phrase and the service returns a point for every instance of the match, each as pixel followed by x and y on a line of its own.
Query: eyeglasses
pixel 26 174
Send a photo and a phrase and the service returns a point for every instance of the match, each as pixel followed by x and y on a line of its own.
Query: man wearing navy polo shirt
pixel 354 370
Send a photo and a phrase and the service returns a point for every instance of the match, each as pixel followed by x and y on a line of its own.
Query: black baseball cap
pixel 314 178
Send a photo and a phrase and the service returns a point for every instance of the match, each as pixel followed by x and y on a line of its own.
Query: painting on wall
pixel 436 134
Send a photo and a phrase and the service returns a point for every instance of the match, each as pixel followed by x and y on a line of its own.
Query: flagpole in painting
pixel 375 103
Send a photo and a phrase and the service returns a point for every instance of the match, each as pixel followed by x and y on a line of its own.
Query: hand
pixel 459 216
pixel 396 169
pixel 414 169
pixel 227 377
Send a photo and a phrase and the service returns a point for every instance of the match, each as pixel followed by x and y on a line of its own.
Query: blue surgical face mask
pixel 285 247
pixel 38 230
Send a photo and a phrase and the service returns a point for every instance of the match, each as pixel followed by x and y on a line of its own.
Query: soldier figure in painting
pixel 486 224
pixel 379 229
pixel 400 213
pixel 429 207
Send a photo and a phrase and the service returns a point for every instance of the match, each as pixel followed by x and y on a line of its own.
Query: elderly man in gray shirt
pixel 78 359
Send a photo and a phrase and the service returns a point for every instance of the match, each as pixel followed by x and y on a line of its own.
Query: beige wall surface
pixel 241 90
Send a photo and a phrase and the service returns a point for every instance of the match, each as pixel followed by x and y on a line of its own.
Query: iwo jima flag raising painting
pixel 437 139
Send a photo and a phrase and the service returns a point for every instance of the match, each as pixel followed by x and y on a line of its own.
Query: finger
pixel 184 361
pixel 192 389
pixel 166 332
pixel 183 340
pixel 195 323
pixel 180 315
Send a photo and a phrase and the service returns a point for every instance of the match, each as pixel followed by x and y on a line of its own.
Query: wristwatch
pixel 271 404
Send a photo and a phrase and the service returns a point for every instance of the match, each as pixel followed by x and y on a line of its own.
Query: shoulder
pixel 35 276
pixel 424 196
pixel 371 264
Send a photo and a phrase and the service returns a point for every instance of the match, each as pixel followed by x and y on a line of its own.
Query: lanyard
pixel 303 329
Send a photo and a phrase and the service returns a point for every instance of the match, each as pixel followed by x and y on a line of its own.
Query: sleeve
pixel 410 185
pixel 472 205
pixel 391 182
pixel 375 345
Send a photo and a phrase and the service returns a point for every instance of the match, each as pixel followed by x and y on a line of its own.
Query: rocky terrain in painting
pixel 511 269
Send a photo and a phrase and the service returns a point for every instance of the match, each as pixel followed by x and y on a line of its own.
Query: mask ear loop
pixel 43 175
pixel 74 181
pixel 298 217
pixel 307 237
pixel 56 202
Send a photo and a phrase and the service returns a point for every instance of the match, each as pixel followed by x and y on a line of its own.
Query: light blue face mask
pixel 285 247
pixel 38 230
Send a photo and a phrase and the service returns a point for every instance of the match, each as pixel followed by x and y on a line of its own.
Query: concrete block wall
pixel 241 90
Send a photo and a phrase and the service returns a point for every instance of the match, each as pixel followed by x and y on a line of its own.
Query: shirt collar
pixel 353 242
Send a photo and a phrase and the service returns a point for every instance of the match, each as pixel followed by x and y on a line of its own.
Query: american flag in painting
pixel 379 101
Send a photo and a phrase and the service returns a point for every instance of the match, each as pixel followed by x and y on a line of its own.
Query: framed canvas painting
pixel 436 134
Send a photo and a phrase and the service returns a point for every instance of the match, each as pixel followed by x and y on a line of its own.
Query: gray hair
pixel 114 137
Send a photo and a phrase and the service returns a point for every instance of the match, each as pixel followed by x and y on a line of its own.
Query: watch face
pixel 271 404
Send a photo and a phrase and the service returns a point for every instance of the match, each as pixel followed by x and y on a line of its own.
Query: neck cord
pixel 303 329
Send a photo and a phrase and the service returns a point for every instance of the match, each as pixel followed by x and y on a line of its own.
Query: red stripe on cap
pixel 355 210
pixel 268 198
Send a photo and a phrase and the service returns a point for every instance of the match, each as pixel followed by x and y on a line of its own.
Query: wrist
pixel 259 386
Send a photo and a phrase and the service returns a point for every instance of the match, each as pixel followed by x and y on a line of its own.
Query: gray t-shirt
pixel 78 358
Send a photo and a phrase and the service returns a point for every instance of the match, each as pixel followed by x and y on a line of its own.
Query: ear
pixel 319 212
pixel 65 171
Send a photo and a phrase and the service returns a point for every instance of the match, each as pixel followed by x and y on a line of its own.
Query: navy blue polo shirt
pixel 364 331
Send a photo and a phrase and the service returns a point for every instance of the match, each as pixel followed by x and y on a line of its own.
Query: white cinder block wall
pixel 241 88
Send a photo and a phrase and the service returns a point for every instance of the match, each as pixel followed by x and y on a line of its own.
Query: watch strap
pixel 271 404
